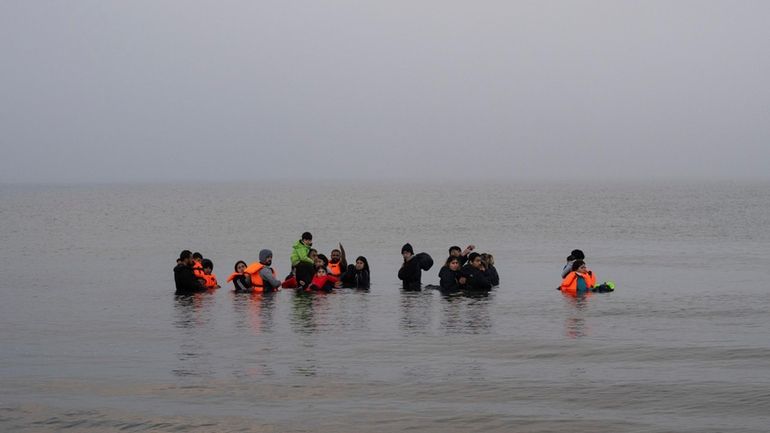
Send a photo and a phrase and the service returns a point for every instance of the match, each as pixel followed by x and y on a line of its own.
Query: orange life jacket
pixel 198 269
pixel 569 284
pixel 335 269
pixel 256 280
pixel 210 281
pixel 233 275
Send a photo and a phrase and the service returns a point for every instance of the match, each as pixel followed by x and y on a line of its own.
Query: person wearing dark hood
pixel 357 276
pixel 410 272
pixel 263 277
pixel 184 278
pixel 475 274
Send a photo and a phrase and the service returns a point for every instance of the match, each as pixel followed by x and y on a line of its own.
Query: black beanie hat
pixel 407 248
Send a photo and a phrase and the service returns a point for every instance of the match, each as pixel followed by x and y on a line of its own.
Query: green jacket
pixel 299 254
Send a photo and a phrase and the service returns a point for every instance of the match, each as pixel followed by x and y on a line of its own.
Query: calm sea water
pixel 92 339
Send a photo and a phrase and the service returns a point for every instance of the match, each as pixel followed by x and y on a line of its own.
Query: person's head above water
pixel 335 256
pixel 453 263
pixel 475 260
pixel 266 257
pixel 362 263
pixel 577 255
pixel 320 271
pixel 407 251
pixel 455 251
pixel 185 257
pixel 208 265
pixel 578 265
pixel 197 256
pixel 307 238
pixel 240 266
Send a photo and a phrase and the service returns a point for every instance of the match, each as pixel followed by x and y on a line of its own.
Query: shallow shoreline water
pixel 94 340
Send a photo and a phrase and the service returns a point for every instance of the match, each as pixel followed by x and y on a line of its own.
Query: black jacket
pixel 475 279
pixel 186 283
pixel 410 274
pixel 354 278
pixel 492 276
pixel 448 279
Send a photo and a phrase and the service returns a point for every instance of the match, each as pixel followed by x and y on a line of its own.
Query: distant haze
pixel 102 91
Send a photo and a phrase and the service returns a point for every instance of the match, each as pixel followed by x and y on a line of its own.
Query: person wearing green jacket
pixel 301 262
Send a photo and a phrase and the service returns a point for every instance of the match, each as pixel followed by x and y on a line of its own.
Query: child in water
pixel 322 280
pixel 209 279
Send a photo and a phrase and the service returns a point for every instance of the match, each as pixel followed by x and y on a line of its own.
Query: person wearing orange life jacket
pixel 579 280
pixel 197 265
pixel 337 262
pixel 241 280
pixel 263 276
pixel 209 279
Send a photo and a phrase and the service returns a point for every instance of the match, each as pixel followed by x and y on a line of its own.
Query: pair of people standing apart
pixel 578 280
pixel 258 277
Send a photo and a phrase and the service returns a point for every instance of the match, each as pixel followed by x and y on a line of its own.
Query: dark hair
pixel 336 251
pixel 451 259
pixel 185 254
pixel 577 255
pixel 472 256
pixel 366 262
pixel 307 236
pixel 235 268
pixel 324 258
pixel 577 264
pixel 317 268
pixel 454 248
pixel 197 255
pixel 206 263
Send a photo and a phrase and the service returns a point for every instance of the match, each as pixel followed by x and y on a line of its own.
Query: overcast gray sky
pixel 230 90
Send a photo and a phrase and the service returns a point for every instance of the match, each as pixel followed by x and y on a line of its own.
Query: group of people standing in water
pixel 463 271
pixel 309 271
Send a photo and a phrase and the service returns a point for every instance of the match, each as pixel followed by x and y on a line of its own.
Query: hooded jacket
pixel 299 254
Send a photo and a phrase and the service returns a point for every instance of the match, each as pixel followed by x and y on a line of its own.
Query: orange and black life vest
pixel 569 284
pixel 198 269
pixel 335 269
pixel 209 281
pixel 256 280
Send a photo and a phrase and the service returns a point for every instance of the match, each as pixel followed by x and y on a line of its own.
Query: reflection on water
pixel 193 310
pixel 415 311
pixel 575 324
pixel 466 313
pixel 254 311
pixel 192 313
pixel 305 311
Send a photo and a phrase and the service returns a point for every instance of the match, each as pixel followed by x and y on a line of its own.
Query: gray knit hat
pixel 264 254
